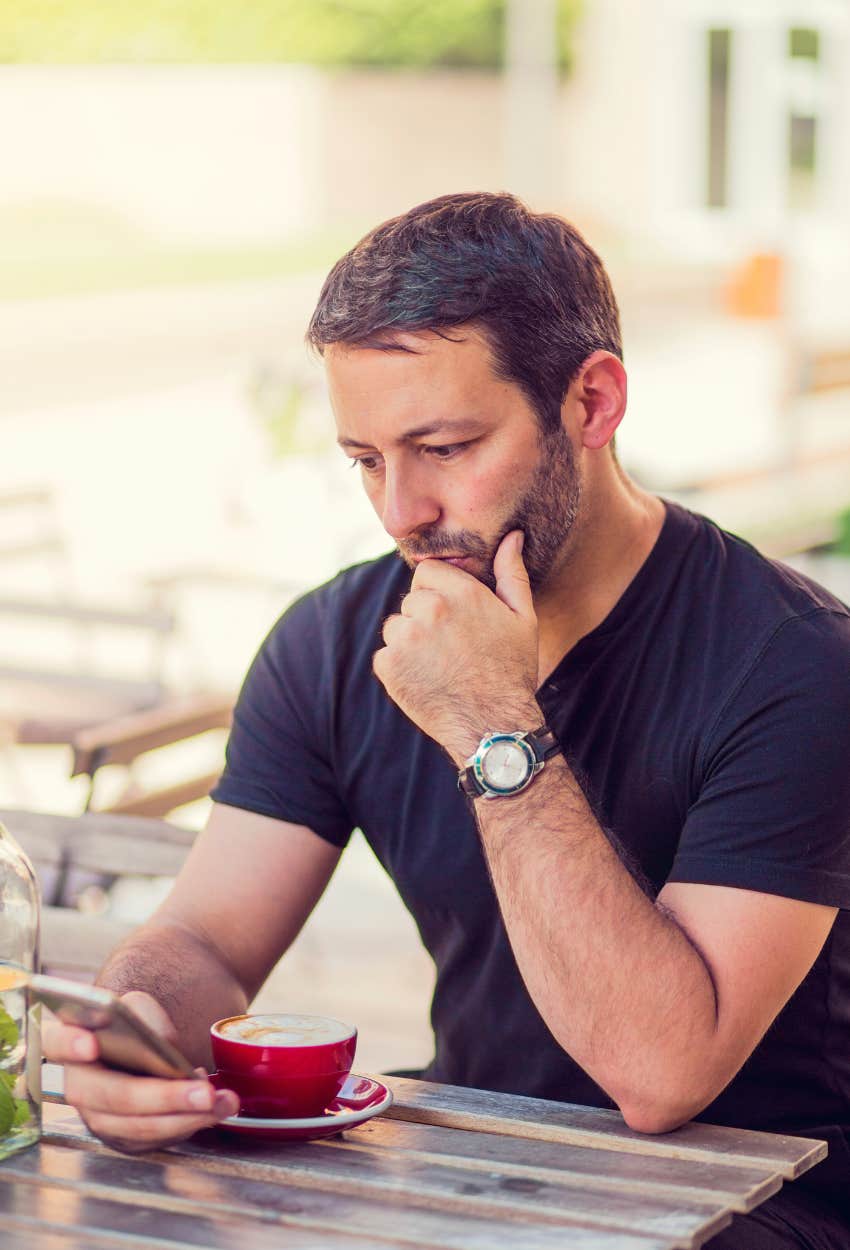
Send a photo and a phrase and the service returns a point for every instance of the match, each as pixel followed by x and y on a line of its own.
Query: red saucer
pixel 359 1099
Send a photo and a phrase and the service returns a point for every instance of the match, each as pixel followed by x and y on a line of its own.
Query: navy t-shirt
pixel 708 721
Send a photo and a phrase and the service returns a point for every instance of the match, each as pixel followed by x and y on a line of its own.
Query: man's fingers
pixel 132 1135
pixel 438 574
pixel 392 627
pixel 512 584
pixel 63 1043
pixel 121 1094
pixel 424 605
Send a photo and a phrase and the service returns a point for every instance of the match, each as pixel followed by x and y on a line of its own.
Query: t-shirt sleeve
pixel 279 759
pixel 773 808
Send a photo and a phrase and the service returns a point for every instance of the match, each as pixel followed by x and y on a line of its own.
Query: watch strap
pixel 543 742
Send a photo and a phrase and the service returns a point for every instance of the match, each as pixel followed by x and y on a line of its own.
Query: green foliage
pixel 842 541
pixel 8 1033
pixel 7 1110
pixel 13 1111
pixel 22 1113
pixel 391 33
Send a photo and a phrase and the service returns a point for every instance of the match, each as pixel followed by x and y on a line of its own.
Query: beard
pixel 546 513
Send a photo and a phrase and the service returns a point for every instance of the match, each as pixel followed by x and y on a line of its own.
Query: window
pixel 804 49
pixel 719 60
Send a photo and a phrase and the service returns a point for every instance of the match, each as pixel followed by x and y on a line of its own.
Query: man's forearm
pixel 184 974
pixel 617 981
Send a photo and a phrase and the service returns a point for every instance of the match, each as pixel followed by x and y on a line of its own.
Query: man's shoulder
pixel 763 592
pixel 754 623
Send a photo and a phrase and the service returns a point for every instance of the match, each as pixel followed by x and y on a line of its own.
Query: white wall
pixel 606 114
pixel 200 155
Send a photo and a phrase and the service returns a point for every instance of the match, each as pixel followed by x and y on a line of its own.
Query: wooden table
pixel 445 1167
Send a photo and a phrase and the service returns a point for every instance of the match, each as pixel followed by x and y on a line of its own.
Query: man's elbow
pixel 664 1112
pixel 653 1118
pixel 660 1100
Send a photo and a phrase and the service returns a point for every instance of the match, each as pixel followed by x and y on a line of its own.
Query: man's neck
pixel 612 538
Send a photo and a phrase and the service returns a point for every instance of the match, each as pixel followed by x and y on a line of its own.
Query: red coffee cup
pixel 282 1066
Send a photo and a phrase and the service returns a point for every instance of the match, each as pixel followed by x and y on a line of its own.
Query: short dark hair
pixel 527 281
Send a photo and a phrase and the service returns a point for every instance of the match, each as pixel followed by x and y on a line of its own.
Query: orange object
pixel 755 289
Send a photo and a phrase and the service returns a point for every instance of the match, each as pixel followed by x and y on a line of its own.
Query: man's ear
pixel 600 392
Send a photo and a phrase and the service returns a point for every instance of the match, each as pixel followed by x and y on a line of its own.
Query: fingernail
pixel 226 1104
pixel 520 542
pixel 81 1047
pixel 200 1096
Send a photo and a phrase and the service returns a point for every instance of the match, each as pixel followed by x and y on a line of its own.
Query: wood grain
pixel 740 1188
pixel 593 1128
pixel 450 1168
pixel 414 1182
pixel 174 1199
pixel 98 1222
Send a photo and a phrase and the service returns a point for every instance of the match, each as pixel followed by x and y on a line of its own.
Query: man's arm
pixel 243 894
pixel 660 1002
pixel 247 887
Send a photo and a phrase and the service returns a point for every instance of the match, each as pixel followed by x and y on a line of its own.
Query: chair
pixel 66 851
pixel 126 739
pixel 105 718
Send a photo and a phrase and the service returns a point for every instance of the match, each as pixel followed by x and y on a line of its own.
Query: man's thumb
pixel 151 1012
pixel 512 585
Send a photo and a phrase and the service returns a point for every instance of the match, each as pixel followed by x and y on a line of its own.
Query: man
pixel 640 900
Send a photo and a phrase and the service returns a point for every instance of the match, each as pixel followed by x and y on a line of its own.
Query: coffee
pixel 284 1030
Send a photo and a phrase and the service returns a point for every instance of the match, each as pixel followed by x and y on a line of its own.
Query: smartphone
pixel 125 1041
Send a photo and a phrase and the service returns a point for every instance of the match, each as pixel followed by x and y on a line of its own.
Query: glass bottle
pixel 20 1041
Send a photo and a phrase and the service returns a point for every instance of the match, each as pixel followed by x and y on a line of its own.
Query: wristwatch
pixel 506 763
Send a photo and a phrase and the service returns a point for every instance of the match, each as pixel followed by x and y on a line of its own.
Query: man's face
pixel 452 456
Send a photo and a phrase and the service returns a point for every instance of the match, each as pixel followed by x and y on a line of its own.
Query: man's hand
pixel 133 1113
pixel 460 660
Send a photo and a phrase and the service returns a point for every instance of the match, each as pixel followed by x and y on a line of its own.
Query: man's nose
pixel 407 505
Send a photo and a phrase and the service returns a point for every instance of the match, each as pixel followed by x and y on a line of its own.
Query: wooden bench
pixel 824 370
pixel 30 513
pixel 125 739
pixel 105 717
pixel 67 852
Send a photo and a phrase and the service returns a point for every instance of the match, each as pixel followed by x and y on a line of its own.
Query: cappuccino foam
pixel 278 1030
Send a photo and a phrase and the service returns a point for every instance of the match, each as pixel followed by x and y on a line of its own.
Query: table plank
pixel 408 1179
pixel 258 1204
pixel 453 1106
pixel 35 1238
pixel 38 1211
pixel 694 1180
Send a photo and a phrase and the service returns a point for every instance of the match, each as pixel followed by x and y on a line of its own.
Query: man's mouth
pixel 445 559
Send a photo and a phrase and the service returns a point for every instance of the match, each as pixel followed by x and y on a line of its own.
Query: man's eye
pixel 445 452
pixel 369 463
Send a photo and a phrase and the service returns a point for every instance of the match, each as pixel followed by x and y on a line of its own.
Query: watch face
pixel 505 765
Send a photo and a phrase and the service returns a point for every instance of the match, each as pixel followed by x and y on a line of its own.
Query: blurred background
pixel 176 181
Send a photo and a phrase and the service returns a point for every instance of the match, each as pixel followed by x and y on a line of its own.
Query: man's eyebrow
pixel 447 426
